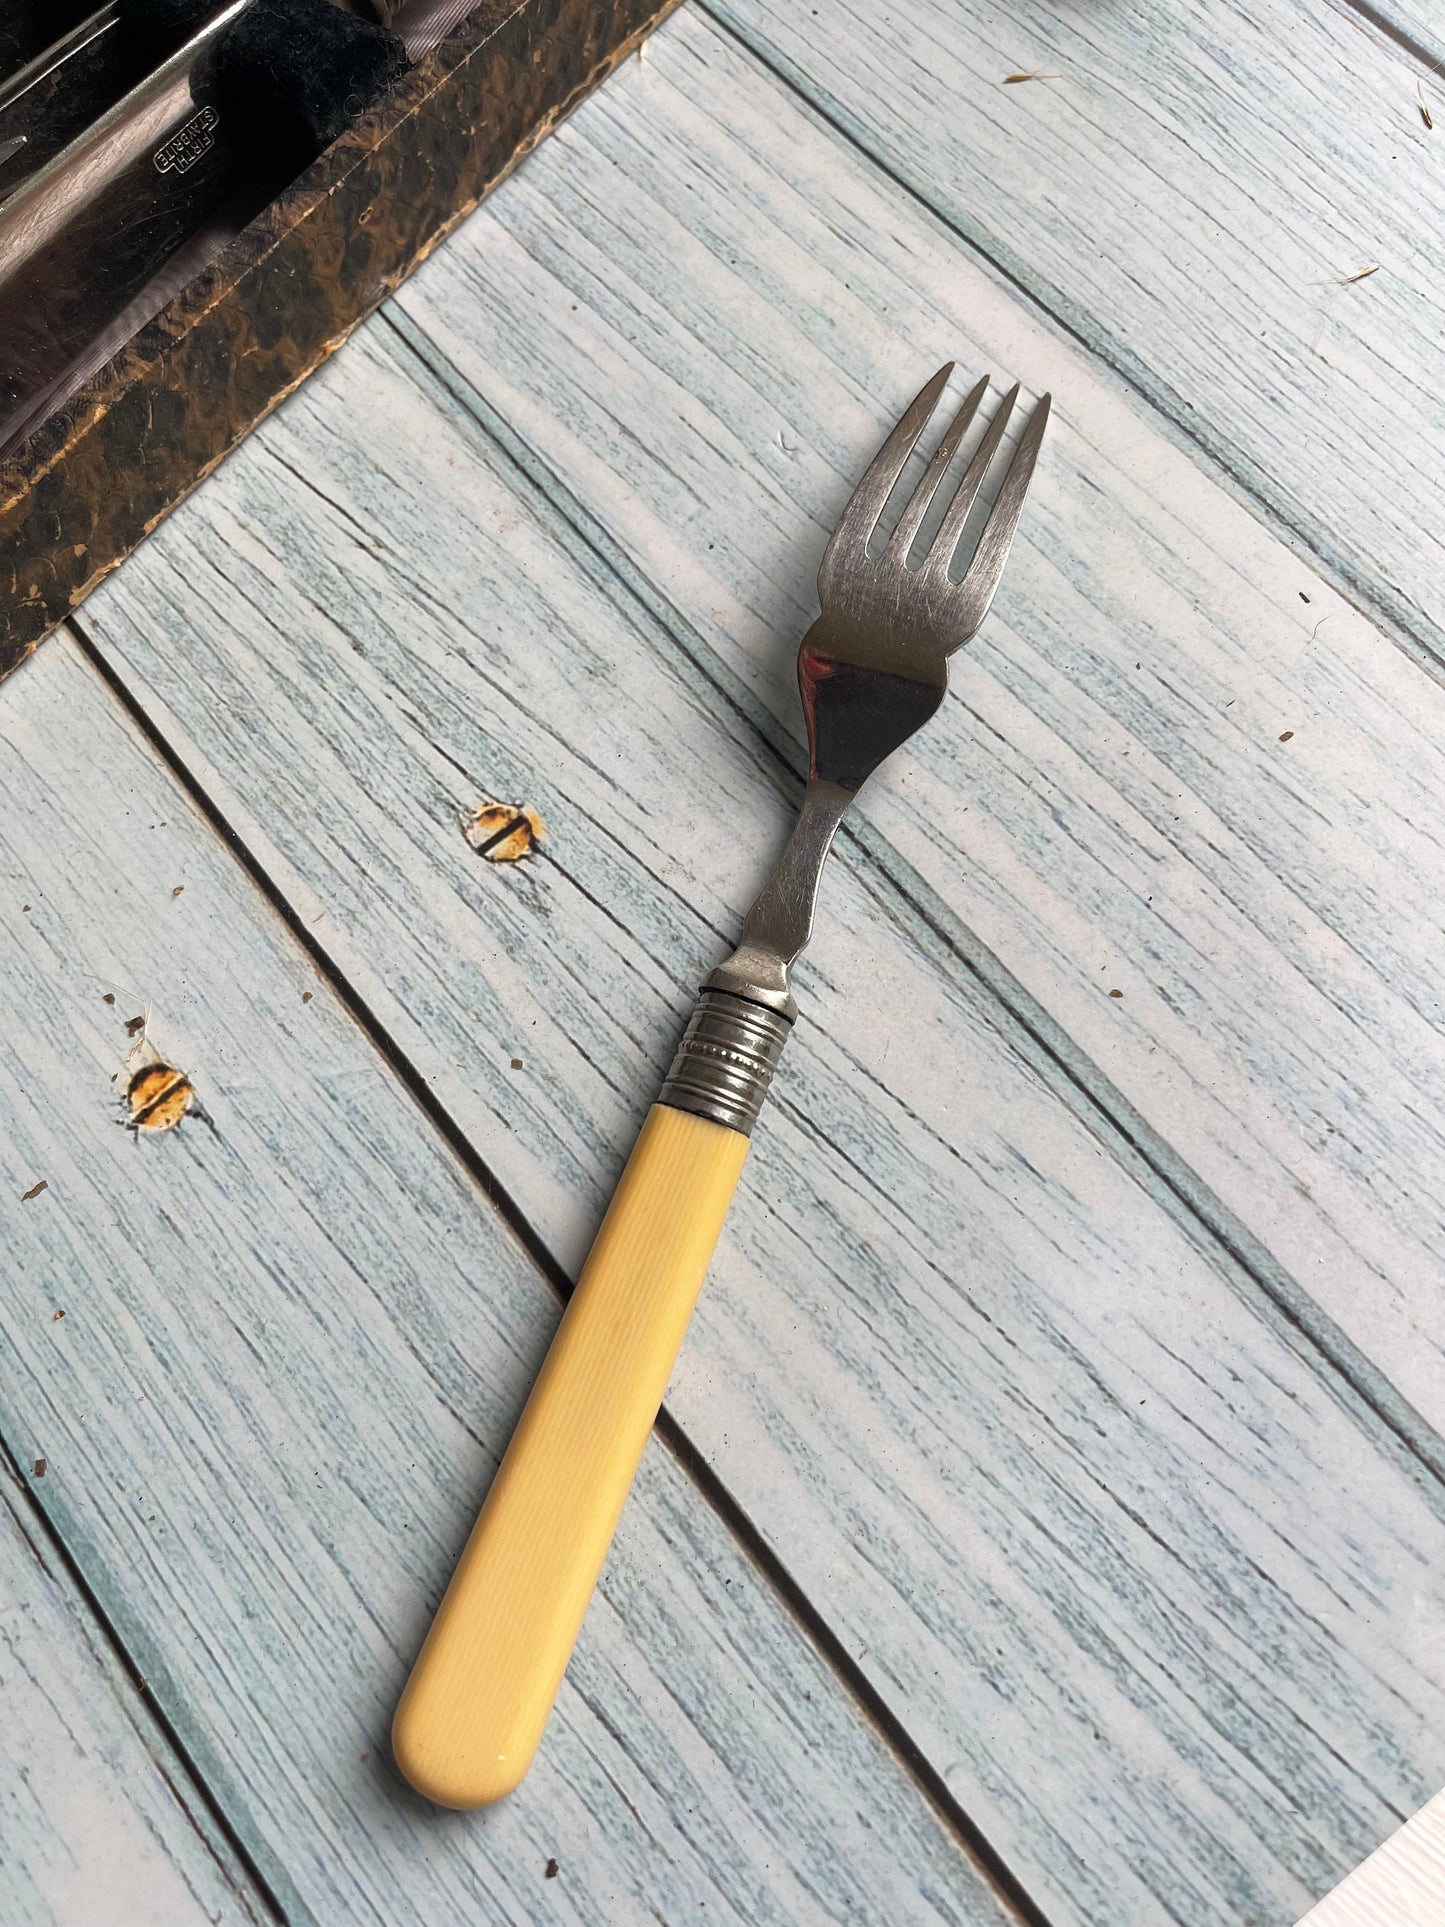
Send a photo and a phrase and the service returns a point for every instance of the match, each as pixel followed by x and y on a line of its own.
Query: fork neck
pixel 862 699
pixel 781 920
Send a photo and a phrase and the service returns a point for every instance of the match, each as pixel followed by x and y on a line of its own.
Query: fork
pixel 871 670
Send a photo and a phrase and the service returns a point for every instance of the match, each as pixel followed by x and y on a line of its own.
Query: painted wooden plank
pixel 1402 1884
pixel 97 1822
pixel 292 1351
pixel 1191 194
pixel 1042 1460
pixel 1418 26
pixel 1176 763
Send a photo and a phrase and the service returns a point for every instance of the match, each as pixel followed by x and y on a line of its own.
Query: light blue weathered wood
pixel 292 1351
pixel 1106 802
pixel 1149 1588
pixel 1419 24
pixel 1187 195
pixel 97 1822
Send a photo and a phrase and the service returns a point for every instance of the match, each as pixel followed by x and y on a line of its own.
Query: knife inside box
pixel 55 93
pixel 91 243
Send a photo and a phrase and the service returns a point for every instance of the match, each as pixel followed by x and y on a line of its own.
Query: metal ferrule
pixel 726 1060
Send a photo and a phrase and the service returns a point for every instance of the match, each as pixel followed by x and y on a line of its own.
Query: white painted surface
pixel 1402 1884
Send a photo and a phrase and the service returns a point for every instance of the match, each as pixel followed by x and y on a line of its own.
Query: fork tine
pixel 868 500
pixel 981 577
pixel 950 528
pixel 901 539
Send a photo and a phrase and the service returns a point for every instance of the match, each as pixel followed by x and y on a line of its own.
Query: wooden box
pixel 95 478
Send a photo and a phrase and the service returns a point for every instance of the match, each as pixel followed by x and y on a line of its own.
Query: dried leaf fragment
pixel 503 832
pixel 34 1191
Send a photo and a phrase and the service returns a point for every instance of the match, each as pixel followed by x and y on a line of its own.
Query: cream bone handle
pixel 479 1696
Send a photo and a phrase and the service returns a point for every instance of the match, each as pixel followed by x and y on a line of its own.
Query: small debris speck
pixel 57 1316
pixel 364 1758
pixel 1425 114
pixel 1285 735
pixel 516 1063
pixel 306 996
pixel 134 1026
pixel 1302 596
pixel 551 1873
pixel 109 997
pixel 40 1465
pixel 1361 274
pixel 24 908
pixel 35 1190
pixel 1116 993
pixel 1013 80
pixel 178 889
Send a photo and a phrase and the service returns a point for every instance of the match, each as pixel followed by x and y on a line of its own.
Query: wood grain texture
pixel 1188 197
pixel 1175 763
pixel 1417 25
pixel 293 1349
pixel 97 1822
pixel 1402 1884
pixel 1151 1591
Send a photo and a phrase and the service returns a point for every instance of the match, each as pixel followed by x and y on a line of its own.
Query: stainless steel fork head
pixel 871 670
pixel 874 666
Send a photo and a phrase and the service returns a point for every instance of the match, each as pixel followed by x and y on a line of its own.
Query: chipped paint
pixel 503 832
pixel 158 1097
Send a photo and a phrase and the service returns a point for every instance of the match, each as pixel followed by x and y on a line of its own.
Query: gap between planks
pixel 1403 38
pixel 1006 1885
pixel 43 1527
pixel 1353 588
pixel 1067 1067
